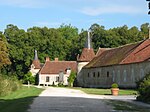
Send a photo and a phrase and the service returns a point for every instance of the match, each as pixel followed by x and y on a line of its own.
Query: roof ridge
pixel 129 44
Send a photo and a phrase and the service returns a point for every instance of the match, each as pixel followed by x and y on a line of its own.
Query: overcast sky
pixel 78 13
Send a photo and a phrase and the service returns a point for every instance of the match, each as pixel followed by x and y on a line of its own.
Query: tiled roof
pixel 141 53
pixel 101 50
pixel 86 55
pixel 37 64
pixel 54 67
pixel 131 53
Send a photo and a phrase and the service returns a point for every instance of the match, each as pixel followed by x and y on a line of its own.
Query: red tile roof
pixel 131 53
pixel 37 64
pixel 101 50
pixel 54 67
pixel 86 55
pixel 141 53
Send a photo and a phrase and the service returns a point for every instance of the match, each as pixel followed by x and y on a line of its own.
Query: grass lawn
pixel 19 100
pixel 106 91
pixel 122 106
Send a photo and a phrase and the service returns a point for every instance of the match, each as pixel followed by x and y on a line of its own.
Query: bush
pixel 144 89
pixel 114 85
pixel 71 78
pixel 29 77
pixel 8 85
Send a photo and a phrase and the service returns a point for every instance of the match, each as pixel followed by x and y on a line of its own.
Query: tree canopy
pixel 65 43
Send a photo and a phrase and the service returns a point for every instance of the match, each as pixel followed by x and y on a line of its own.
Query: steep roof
pixel 36 64
pixel 86 55
pixel 130 53
pixel 87 52
pixel 36 61
pixel 54 67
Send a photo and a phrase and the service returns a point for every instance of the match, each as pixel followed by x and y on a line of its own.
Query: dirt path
pixel 68 100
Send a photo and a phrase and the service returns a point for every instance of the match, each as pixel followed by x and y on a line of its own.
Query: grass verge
pixel 106 91
pixel 19 100
pixel 123 106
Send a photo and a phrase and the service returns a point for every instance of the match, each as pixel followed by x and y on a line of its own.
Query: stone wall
pixel 125 75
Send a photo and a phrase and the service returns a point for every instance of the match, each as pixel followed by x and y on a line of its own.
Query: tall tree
pixel 4 58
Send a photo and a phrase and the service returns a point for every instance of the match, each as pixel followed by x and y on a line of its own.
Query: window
pixel 125 75
pixel 132 75
pixel 47 79
pixel 107 74
pixel 57 79
pixel 88 75
pixel 141 73
pixel 93 74
pixel 98 75
pixel 113 76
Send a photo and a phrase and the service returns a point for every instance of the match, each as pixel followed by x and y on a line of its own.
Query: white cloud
pixel 25 3
pixel 111 10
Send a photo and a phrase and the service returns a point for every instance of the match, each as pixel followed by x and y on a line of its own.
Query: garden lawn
pixel 106 91
pixel 19 100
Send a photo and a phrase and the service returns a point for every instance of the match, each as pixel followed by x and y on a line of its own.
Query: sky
pixel 79 13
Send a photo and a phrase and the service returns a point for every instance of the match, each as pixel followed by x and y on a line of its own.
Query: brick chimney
pixel 56 59
pixel 47 59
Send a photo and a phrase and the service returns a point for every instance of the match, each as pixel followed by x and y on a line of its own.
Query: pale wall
pixel 80 65
pixel 52 78
pixel 125 75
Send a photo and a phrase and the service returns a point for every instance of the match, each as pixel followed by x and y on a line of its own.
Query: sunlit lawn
pixel 19 100
pixel 106 91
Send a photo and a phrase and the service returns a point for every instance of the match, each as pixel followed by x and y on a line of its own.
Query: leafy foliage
pixel 29 77
pixel 144 89
pixel 114 85
pixel 64 42
pixel 8 85
pixel 71 78
pixel 4 59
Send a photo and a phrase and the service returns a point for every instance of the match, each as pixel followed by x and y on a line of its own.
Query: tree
pixel 145 29
pixel 4 58
pixel 28 78
pixel 144 89
pixel 71 78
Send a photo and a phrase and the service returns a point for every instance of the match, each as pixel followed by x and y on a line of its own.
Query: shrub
pixel 29 77
pixel 8 85
pixel 71 78
pixel 114 85
pixel 144 89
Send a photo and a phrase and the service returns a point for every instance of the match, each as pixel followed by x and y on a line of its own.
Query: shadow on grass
pixel 127 106
pixel 16 105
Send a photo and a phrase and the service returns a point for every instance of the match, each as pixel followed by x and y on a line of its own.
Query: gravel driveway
pixel 68 100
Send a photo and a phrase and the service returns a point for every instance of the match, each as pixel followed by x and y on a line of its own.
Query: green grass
pixel 106 91
pixel 123 106
pixel 19 100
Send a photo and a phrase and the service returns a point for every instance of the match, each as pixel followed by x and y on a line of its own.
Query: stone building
pixel 124 65
pixel 52 72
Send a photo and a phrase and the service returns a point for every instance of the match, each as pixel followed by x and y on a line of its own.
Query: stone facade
pixel 125 76
pixel 124 65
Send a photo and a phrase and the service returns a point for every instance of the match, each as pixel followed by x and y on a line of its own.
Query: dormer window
pixel 32 66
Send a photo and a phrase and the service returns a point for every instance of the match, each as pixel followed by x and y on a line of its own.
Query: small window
pixel 47 79
pixel 98 74
pixel 57 79
pixel 88 75
pixel 107 74
pixel 93 74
